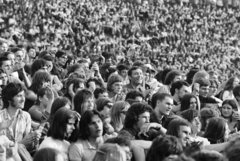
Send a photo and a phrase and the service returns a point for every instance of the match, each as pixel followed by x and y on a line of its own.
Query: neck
pixel 134 85
pixel 111 94
pixel 159 115
pixel 12 111
pixel 176 98
pixel 94 141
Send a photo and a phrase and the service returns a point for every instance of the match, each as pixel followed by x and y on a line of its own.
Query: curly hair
pixel 38 79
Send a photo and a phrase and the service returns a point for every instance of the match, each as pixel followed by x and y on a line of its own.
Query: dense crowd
pixel 119 80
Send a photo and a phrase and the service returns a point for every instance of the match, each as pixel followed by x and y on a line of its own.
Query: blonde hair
pixel 116 113
pixel 110 152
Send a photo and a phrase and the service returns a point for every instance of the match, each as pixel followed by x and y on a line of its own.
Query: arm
pixel 26 80
pixel 31 95
pixel 216 147
pixel 35 113
pixel 142 143
pixel 56 83
pixel 138 153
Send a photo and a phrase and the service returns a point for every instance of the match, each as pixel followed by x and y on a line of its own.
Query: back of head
pixel 200 74
pixel 110 152
pixel 164 146
pixel 190 114
pixel 205 155
pixel 232 150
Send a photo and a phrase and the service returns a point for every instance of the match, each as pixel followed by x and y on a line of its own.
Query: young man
pixel 137 123
pixel 61 59
pixel 162 104
pixel 134 96
pixel 13 102
pixel 123 72
pixel 91 137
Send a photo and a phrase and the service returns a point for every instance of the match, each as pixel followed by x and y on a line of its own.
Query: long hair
pixel 86 119
pixel 164 146
pixel 170 76
pixel 185 102
pixel 215 130
pixel 174 125
pixel 229 84
pixel 115 113
pixel 36 65
pixel 190 114
pixel 38 79
pixel 101 102
pixel 58 126
pixel 230 102
pixel 80 98
pixel 110 152
pixel 46 154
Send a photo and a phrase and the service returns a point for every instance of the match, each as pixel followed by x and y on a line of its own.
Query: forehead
pixel 95 118
pixel 168 99
pixel 137 70
pixel 145 114
pixel 185 128
pixel 227 105
pixel 6 62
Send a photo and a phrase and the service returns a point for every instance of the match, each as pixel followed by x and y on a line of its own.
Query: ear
pixel 158 102
pixel 40 98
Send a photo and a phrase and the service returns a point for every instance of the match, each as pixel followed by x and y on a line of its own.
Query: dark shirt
pixel 206 100
pixel 60 72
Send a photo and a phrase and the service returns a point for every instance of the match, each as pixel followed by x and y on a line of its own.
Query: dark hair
pixel 133 94
pixel 121 67
pixel 95 80
pixel 158 96
pixel 15 49
pixel 236 91
pixel 99 91
pixel 60 53
pixel 174 126
pixel 232 103
pixel 3 59
pixel 164 74
pixel 170 76
pixel 208 156
pixel 190 75
pixel 207 113
pixel 232 150
pixel 133 113
pixel 202 82
pixel 46 154
pixel 121 141
pixel 229 84
pixel 215 130
pixel 185 102
pixel 9 91
pixel 5 54
pixel 164 146
pixel 80 98
pixel 41 93
pixel 57 104
pixel 101 102
pixel 75 82
pixel 36 65
pixel 190 114
pixel 113 79
pixel 178 85
pixel 132 69
pixel 86 119
pixel 38 79
pixel 74 67
pixel 58 125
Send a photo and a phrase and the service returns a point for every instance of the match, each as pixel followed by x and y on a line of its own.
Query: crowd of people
pixel 119 81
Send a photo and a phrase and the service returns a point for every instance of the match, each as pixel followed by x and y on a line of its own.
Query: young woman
pixel 118 114
pixel 189 101
pixel 228 89
pixel 217 130
pixel 229 113
pixel 115 88
pixel 64 123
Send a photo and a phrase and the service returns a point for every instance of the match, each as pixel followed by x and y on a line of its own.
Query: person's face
pixel 165 106
pixel 138 99
pixel 235 82
pixel 43 69
pixel 88 104
pixel 177 78
pixel 123 73
pixel 49 65
pixel 18 101
pixel 193 103
pixel 117 87
pixel 80 87
pixel 4 78
pixel 85 66
pixel 196 124
pixel 3 48
pixel 106 110
pixel 62 60
pixel 11 57
pixel 103 95
pixel 70 127
pixel 182 91
pixel 80 71
pixel 32 53
pixel 184 135
pixel 203 91
pixel 137 76
pixel 19 56
pixel 95 127
pixel 227 110
pixel 128 152
pixel 212 90
pixel 143 119
pixel 6 65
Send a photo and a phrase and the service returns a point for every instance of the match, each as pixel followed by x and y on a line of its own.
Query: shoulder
pixel 76 148
pixel 25 114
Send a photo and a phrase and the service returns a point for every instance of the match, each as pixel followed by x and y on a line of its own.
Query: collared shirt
pixel 23 125
pixel 82 150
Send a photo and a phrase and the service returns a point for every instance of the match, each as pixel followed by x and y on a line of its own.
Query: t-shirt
pixel 82 150
pixel 61 145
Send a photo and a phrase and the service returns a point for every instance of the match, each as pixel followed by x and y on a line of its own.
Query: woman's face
pixel 196 124
pixel 235 82
pixel 227 110
pixel 49 65
pixel 88 104
pixel 193 103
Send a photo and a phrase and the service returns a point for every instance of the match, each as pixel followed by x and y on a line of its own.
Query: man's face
pixel 62 60
pixel 184 134
pixel 165 106
pixel 123 73
pixel 18 101
pixel 95 127
pixel 11 57
pixel 70 127
pixel 143 119
pixel 203 91
pixel 19 56
pixel 182 91
pixel 3 48
pixel 6 65
pixel 137 76
pixel 106 110
pixel 117 87
pixel 101 95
